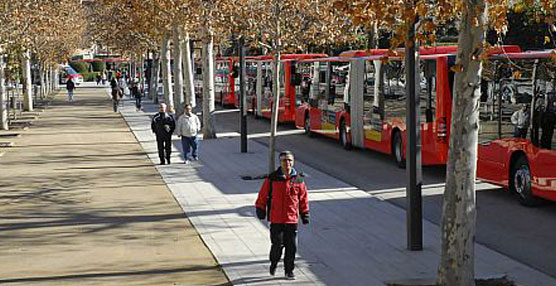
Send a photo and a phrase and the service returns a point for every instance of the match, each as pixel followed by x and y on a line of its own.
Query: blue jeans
pixel 188 143
pixel 70 94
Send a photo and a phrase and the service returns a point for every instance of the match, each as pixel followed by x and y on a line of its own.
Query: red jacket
pixel 289 198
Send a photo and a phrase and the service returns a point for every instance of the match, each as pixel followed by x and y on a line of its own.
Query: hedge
pixel 80 67
pixel 98 66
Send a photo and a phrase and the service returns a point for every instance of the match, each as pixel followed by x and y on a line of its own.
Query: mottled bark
pixel 178 69
pixel 208 86
pixel 27 84
pixel 167 73
pixel 276 93
pixel 42 90
pixel 142 73
pixel 3 95
pixel 188 72
pixel 459 209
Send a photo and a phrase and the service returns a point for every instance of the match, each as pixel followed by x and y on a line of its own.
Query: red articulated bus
pixel 361 101
pixel 523 159
pixel 259 85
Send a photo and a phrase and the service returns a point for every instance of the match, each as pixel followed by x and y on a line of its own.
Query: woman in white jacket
pixel 187 128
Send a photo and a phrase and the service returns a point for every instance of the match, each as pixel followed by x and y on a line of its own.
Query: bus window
pixel 338 81
pixel 372 111
pixel 323 82
pixel 394 90
pixel 302 91
pixel 427 90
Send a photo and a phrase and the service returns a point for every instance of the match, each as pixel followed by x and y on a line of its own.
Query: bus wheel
pixel 343 136
pixel 397 150
pixel 520 182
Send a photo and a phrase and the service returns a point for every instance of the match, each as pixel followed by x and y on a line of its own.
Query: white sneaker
pixel 186 161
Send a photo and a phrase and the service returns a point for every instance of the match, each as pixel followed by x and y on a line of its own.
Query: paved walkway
pixel 80 204
pixel 355 238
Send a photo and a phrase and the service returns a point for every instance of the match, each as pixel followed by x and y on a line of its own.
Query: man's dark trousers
pixel 164 147
pixel 283 235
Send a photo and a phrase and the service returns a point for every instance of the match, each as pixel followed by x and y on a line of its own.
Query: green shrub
pixel 80 67
pixel 89 76
pixel 98 66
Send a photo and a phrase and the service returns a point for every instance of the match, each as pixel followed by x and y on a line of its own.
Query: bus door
pixel 318 95
pixel 393 94
pixel 494 116
pixel 259 89
pixel 305 74
pixel 266 90
pixel 332 85
pixel 373 106
pixel 543 164
pixel 221 80
pixel 427 93
pixel 251 71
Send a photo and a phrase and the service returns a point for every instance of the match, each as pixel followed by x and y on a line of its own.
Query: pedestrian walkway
pixel 354 238
pixel 81 204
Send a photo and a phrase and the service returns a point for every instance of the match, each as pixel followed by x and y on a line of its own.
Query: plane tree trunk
pixel 208 85
pixel 459 208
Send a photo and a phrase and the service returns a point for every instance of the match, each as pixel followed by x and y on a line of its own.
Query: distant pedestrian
pixel 123 86
pixel 520 120
pixel 163 126
pixel 137 93
pixel 70 86
pixel 116 93
pixel 188 127
pixel 282 200
pixel 99 78
pixel 103 77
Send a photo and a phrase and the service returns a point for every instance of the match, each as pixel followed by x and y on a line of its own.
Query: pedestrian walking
pixel 188 127
pixel 283 200
pixel 116 94
pixel 520 120
pixel 163 126
pixel 70 86
pixel 137 94
pixel 123 85
pixel 103 77
pixel 98 78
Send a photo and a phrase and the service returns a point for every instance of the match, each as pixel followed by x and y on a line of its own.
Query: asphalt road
pixel 522 233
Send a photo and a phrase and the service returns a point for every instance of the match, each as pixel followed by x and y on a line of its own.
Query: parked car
pixel 68 72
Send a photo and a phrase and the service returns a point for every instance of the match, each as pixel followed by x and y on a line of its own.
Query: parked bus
pixel 361 101
pixel 260 71
pixel 522 161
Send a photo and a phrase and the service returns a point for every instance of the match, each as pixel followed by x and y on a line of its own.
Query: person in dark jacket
pixel 136 93
pixel 116 91
pixel 70 86
pixel 163 125
pixel 283 200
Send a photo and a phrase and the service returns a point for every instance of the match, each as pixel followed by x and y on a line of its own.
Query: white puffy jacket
pixel 188 125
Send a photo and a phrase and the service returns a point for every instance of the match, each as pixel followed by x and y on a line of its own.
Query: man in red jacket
pixel 282 200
